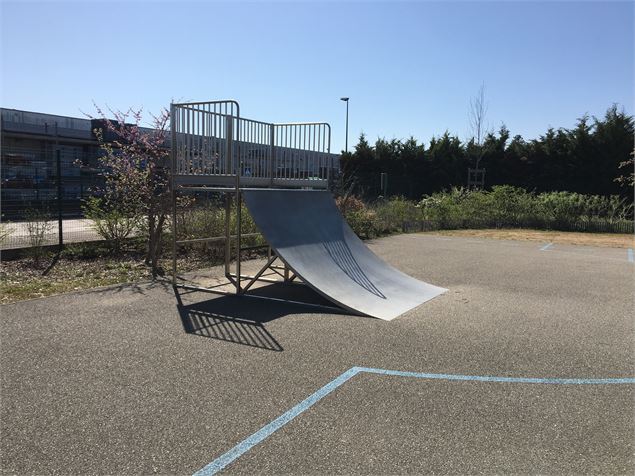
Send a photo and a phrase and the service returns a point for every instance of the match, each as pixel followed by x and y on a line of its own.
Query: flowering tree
pixel 136 175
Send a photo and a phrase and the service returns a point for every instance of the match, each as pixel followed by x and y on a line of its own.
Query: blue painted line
pixel 546 247
pixel 487 378
pixel 244 446
pixel 241 448
pixel 631 259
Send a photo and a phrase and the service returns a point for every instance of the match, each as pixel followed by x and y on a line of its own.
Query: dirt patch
pixel 611 240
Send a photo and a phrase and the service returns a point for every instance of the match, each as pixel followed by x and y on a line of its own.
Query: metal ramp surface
pixel 309 234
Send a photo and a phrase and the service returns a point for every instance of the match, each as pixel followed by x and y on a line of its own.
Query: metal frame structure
pixel 214 149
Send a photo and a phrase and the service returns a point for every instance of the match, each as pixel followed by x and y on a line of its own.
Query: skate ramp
pixel 309 234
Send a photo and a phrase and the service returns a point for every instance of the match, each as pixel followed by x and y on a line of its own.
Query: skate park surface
pixel 132 380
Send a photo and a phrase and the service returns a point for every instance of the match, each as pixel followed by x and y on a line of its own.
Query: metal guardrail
pixel 211 145
pixel 302 150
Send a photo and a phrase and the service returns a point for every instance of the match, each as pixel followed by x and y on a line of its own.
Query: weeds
pixel 38 225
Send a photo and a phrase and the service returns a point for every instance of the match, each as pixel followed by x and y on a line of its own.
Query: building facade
pixel 29 147
pixel 29 174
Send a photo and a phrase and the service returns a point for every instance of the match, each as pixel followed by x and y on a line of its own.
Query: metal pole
pixel 347 125
pixel 228 244
pixel 238 238
pixel 237 170
pixel 59 198
pixel 173 121
pixel 345 99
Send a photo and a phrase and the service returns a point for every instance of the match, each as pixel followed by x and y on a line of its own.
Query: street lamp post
pixel 345 99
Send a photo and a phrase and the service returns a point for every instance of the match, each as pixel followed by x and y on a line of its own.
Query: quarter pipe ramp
pixel 309 235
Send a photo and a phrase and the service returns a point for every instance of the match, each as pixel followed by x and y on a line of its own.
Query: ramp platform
pixel 310 236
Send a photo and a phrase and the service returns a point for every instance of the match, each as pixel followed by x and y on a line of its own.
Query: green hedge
pixel 502 207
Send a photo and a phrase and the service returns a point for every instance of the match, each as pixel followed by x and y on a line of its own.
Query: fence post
pixel 60 229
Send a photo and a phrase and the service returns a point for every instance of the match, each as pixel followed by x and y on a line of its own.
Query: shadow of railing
pixel 241 319
pixel 218 326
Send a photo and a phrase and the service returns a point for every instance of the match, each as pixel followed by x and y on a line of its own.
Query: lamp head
pixel 344 99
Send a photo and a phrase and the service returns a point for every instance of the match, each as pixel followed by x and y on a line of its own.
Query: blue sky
pixel 409 68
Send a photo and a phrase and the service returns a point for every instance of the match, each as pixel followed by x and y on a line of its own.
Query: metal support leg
pixel 228 244
pixel 238 240
pixel 173 187
pixel 259 273
pixel 174 237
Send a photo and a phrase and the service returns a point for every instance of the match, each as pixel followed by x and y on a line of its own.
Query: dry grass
pixel 611 240
pixel 24 278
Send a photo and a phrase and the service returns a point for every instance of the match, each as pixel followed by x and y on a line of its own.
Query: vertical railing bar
pixel 272 153
pixel 189 139
pixel 313 156
pixel 194 133
pixel 322 173
pixel 287 153
pixel 256 151
pixel 197 119
pixel 324 157
pixel 328 151
pixel 202 140
pixel 184 141
pixel 317 157
pixel 296 161
pixel 285 165
pixel 280 150
pixel 212 142
pixel 321 157
pixel 203 143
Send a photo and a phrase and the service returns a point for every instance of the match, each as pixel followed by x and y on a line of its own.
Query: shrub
pixel 349 203
pixel 206 219
pixel 5 232
pixel 561 206
pixel 393 213
pixel 112 224
pixel 445 209
pixel 509 206
pixel 362 222
pixel 38 225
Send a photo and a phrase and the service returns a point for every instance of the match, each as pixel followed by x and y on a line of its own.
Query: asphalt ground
pixel 127 380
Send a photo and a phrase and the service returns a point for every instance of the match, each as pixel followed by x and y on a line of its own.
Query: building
pixel 29 145
pixel 30 142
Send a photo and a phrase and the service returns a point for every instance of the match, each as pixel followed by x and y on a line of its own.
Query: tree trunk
pixel 154 245
pixel 151 222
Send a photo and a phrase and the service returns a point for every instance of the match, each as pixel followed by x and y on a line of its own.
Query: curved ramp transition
pixel 309 234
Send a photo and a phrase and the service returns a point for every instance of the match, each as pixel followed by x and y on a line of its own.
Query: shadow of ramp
pixel 241 319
